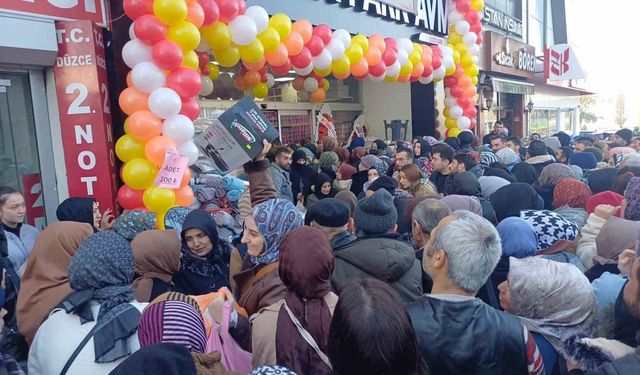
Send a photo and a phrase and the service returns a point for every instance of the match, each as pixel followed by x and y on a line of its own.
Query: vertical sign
pixel 33 200
pixel 85 115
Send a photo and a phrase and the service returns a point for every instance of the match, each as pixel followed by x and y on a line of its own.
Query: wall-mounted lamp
pixel 529 107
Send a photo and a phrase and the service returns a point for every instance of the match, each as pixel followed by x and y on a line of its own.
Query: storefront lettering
pixel 66 60
pixel 502 21
pixel 526 61
pixel 89 5
pixel 504 59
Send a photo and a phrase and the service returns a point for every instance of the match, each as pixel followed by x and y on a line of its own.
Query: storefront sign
pixel 85 114
pixel 561 64
pixel 93 10
pixel 508 56
pixel 33 200
pixel 502 21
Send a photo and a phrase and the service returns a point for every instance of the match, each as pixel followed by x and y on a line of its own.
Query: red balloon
pixel 427 71
pixel 190 108
pixel 391 44
pixel 203 58
pixel 436 51
pixel 436 62
pixel 167 55
pixel 281 70
pixel 184 81
pixel 229 10
pixel 315 45
pixel 137 8
pixel 211 11
pixel 241 6
pixel 129 198
pixel 480 39
pixel 205 71
pixel 470 111
pixel 474 122
pixel 463 6
pixel 149 29
pixel 457 91
pixel 450 81
pixel 389 56
pixel 464 101
pixel 476 28
pixel 324 32
pixel 472 17
pixel 302 60
pixel 378 70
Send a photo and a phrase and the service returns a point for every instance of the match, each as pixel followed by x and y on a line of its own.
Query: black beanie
pixel 384 182
pixel 625 134
pixel 376 214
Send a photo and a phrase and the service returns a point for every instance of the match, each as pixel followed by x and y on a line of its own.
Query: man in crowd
pixel 515 143
pixel 497 143
pixel 563 154
pixel 497 130
pixel 460 256
pixel 442 156
pixel 621 138
pixel 403 157
pixel 331 217
pixel 581 145
pixel 538 156
pixel 424 219
pixel 464 162
pixel 280 172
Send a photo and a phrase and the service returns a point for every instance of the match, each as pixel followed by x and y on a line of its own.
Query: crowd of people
pixel 466 256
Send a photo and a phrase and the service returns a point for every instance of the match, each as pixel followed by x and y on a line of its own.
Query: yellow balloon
pixel 354 53
pixel 261 90
pixel 282 23
pixel 450 123
pixel 362 41
pixel 341 66
pixel 270 39
pixel 406 68
pixel 454 38
pixel 391 79
pixel 456 57
pixel 129 148
pixel 472 71
pixel 453 132
pixel 185 34
pixel 323 73
pixel 126 126
pixel 474 81
pixel 171 12
pixel 466 60
pixel 450 71
pixel 216 35
pixel 139 173
pixel 325 84
pixel 159 199
pixel 252 52
pixel 417 48
pixel 227 57
pixel 415 58
pixel 445 112
pixel 214 71
pixel 190 60
pixel 477 5
pixel 461 48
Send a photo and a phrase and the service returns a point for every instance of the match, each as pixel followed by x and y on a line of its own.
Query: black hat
pixel 537 148
pixel 625 134
pixel 384 182
pixel 329 212
pixel 376 214
pixel 564 138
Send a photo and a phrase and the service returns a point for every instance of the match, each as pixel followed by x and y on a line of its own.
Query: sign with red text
pixel 173 168
pixel 93 10
pixel 33 200
pixel 561 63
pixel 85 114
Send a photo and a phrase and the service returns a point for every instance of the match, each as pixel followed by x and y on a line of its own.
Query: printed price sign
pixel 173 168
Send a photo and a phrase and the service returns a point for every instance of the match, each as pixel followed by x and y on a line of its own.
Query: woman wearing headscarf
pixel 344 176
pixel 508 157
pixel 131 223
pixel 553 300
pixel 328 163
pixel 45 282
pixel 204 264
pixel 491 184
pixel 380 147
pixel 301 174
pixel 157 258
pixel 549 177
pixel 329 144
pixel 601 180
pixel 606 197
pixel 306 265
pixel 631 202
pixel 322 188
pixel 422 156
pixel 411 180
pixel 509 200
pixel 525 173
pixel 570 199
pixel 85 210
pixel 463 202
pixel 466 183
pixel 98 320
pixel 362 176
pixel 356 142
pixel 487 158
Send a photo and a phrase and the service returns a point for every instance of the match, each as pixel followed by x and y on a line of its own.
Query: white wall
pixel 385 101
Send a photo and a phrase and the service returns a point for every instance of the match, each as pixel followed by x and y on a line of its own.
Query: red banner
pixel 33 200
pixel 93 10
pixel 85 115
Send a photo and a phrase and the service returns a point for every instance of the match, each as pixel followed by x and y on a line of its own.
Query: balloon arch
pixel 169 56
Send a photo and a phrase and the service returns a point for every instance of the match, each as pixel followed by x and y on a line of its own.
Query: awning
pixel 510 86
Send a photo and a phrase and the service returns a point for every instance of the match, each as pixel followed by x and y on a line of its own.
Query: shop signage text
pixel 33 200
pixel 85 114
pixel 561 63
pixel 524 61
pixel 93 10
pixel 431 15
pixel 502 21
pixel 507 56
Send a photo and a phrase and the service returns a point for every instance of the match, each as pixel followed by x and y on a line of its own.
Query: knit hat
pixel 369 161
pixel 584 160
pixel 625 134
pixel 299 154
pixel 328 160
pixel 555 233
pixel 384 182
pixel 329 212
pixel 552 142
pixel 465 137
pixel 376 214
pixel 537 148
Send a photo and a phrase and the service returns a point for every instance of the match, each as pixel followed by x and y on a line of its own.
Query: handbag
pixel 233 357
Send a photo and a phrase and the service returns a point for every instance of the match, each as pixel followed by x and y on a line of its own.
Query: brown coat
pixel 257 286
pixel 263 331
pixel 261 185
pixel 210 364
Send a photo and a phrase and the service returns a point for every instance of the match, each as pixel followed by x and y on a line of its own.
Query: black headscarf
pixel 311 147
pixel 509 200
pixel 453 142
pixel 466 183
pixel 301 175
pixel 199 275
pixel 526 173
pixel 320 180
pixel 166 359
pixel 4 247
pixel 602 179
pixel 425 149
pixel 498 172
pixel 76 209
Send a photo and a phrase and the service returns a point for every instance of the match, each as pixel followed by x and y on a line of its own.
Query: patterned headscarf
pixel 507 156
pixel 175 296
pixel 571 193
pixel 329 160
pixel 274 218
pixel 132 223
pixel 175 218
pixel 632 196
pixel 102 270
pixel 553 173
pixel 487 158
pixel 551 228
pixel 172 322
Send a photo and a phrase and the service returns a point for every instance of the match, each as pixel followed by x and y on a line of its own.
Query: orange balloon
pixel 342 76
pixel 240 83
pixel 294 44
pixel 186 178
pixel 156 148
pixel 298 83
pixel 376 41
pixel 195 14
pixel 144 125
pixel 418 69
pixel 278 57
pixel 252 78
pixel 255 66
pixel 132 100
pixel 129 80
pixel 318 96
pixel 304 28
pixel 184 196
pixel 373 56
pixel 360 69
pixel 404 79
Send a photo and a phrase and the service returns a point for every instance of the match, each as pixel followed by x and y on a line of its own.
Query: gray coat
pixel 282 182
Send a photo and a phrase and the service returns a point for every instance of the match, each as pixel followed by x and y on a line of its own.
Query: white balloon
pixel 449 101
pixel 438 74
pixel 464 123
pixel 462 27
pixel 336 48
pixel 323 60
pixel 203 46
pixel 376 79
pixel 394 69
pixel 304 71
pixel 243 30
pixel 455 16
pixel 426 80
pixel 446 50
pixel 310 84
pixel 134 52
pixel 343 36
pixel 164 103
pixel 403 57
pixel 456 111
pixel 448 62
pixel 190 150
pixel 406 45
pixel 271 81
pixel 259 16
pixel 179 128
pixel 132 33
pixel 474 50
pixel 147 77
pixel 470 38
pixel 207 86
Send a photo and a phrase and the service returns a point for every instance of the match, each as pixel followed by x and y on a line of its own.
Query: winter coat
pixel 257 286
pixel 19 248
pixel 282 182
pixel 587 246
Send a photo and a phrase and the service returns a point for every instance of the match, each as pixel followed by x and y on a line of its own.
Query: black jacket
pixel 440 180
pixel 357 182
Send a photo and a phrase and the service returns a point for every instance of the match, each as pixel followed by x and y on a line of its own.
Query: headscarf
pixel 380 145
pixel 356 155
pixel 425 149
pixel 306 265
pixel 343 154
pixel 329 144
pixel 490 184
pixel 311 155
pixel 466 183
pixel 554 232
pixel 274 218
pixel 511 199
pixel 131 223
pixel 615 236
pixel 605 197
pixel 553 173
pixel 159 359
pixel 552 298
pixel 357 142
pixel 519 239
pixel 507 156
pixel 157 256
pixel 602 179
pixel 349 199
pixel 320 180
pixel 487 158
pixel 175 296
pixel 525 173
pixel 102 270
pixel 172 322
pixel 632 196
pixel 76 209
pixel 463 202
pixel 297 155
pixel 311 147
pixel 175 218
pixel 552 143
pixel 347 171
pixel 369 161
pixel 584 160
pixel 45 282
pixel 571 193
pixel 328 161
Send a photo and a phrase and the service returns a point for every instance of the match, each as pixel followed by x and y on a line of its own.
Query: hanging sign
pixel 172 170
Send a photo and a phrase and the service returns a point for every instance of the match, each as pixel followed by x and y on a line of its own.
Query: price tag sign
pixel 172 171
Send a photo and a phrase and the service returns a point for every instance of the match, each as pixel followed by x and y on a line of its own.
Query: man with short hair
pixel 581 145
pixel 280 172
pixel 441 158
pixel 497 130
pixel 515 143
pixel 563 154
pixel 424 219
pixel 402 158
pixel 497 143
pixel 538 156
pixel 332 218
pixel 621 138
pixel 460 256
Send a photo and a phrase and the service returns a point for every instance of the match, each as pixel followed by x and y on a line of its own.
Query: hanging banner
pixel 561 63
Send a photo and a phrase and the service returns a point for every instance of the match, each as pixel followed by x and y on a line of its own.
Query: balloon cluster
pixel 160 100
pixel 465 39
